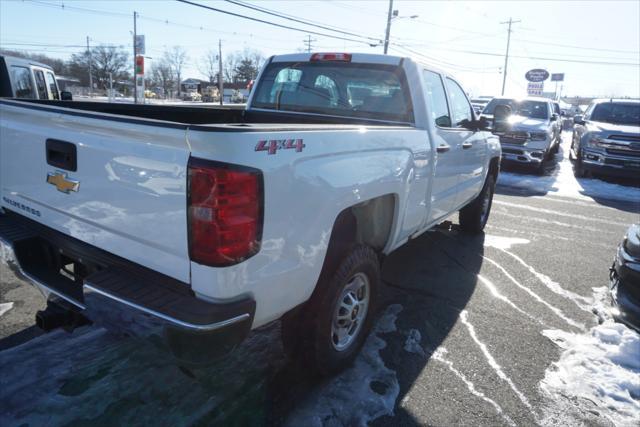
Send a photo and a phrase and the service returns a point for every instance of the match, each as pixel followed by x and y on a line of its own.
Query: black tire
pixel 309 332
pixel 542 166
pixel 579 170
pixel 474 216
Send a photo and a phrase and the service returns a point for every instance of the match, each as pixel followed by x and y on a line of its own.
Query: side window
pixel 460 107
pixel 53 87
pixel 41 85
pixel 436 99
pixel 21 78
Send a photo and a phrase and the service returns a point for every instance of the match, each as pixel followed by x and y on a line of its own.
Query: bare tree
pixel 209 66
pixel 162 76
pixel 105 60
pixel 176 57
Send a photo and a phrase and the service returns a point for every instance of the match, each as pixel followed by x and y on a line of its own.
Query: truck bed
pixel 180 116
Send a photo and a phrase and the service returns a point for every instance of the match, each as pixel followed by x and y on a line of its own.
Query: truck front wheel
pixel 474 216
pixel 332 326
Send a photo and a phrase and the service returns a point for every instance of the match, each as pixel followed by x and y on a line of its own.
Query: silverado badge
pixel 62 183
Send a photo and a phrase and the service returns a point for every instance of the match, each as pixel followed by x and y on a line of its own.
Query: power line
pixel 262 21
pixel 299 20
pixel 637 52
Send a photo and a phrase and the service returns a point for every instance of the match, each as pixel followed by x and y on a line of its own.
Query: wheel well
pixel 494 167
pixel 369 223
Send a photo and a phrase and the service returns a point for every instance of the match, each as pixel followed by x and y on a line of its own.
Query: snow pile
pixel 601 367
pixel 362 393
pixel 502 242
pixel 4 307
pixel 563 183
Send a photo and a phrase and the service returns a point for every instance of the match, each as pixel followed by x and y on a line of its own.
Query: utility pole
pixel 90 73
pixel 220 83
pixel 135 52
pixel 506 57
pixel 389 17
pixel 308 42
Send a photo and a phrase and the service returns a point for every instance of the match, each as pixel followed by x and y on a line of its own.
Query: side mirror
pixel 66 96
pixel 501 115
pixel 554 117
pixel 578 119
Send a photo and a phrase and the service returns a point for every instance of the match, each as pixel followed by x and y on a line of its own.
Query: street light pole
pixel 135 52
pixel 386 37
pixel 506 56
pixel 90 71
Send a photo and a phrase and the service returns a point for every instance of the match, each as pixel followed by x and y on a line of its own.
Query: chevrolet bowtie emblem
pixel 62 183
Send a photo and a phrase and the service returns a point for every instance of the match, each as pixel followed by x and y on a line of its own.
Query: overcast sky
pixel 589 41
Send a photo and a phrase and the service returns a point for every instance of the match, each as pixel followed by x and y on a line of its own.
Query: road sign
pixel 537 75
pixel 535 88
pixel 140 45
pixel 558 77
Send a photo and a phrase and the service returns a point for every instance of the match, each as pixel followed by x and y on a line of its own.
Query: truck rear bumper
pixel 119 294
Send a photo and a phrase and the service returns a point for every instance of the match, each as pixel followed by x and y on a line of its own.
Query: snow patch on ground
pixel 563 183
pixel 502 242
pixel 412 343
pixel 599 370
pixel 4 307
pixel 362 393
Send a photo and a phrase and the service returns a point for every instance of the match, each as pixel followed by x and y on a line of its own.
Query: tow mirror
pixel 554 117
pixel 578 119
pixel 501 115
pixel 66 96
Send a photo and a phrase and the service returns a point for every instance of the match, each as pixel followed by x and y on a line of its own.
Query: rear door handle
pixel 443 148
pixel 466 145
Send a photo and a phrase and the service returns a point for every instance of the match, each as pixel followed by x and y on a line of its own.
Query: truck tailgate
pixel 127 194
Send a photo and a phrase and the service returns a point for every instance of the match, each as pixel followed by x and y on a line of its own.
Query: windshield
pixel 531 109
pixel 618 113
pixel 336 88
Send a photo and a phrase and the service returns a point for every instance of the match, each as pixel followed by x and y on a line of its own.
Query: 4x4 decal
pixel 271 146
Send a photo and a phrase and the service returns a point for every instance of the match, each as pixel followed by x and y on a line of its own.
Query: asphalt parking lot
pixel 471 333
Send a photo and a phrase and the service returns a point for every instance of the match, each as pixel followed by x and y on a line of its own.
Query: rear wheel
pixel 329 330
pixel 474 216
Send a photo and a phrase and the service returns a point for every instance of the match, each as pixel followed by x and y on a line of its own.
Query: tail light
pixel 224 212
pixel 342 57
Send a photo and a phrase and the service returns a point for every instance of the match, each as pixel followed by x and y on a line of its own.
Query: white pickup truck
pixel 210 222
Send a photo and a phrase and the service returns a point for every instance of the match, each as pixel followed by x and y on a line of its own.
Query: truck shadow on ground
pixel 92 377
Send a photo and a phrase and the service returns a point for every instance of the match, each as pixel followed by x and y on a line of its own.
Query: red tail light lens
pixel 342 57
pixel 224 212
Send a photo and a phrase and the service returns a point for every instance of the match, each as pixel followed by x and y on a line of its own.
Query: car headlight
pixel 594 141
pixel 538 136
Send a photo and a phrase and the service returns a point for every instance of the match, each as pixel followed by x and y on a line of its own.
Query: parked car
pixel 625 279
pixel 606 139
pixel 533 136
pixel 280 210
pixel 191 96
pixel 27 79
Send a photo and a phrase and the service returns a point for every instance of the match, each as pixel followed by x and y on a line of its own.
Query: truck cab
pixel 27 79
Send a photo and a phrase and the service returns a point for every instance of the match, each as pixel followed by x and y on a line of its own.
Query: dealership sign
pixel 537 75
pixel 535 88
pixel 559 77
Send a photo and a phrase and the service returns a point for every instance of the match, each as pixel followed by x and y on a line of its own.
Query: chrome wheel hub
pixel 350 312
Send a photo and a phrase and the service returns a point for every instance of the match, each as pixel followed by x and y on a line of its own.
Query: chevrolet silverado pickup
pixel 205 223
pixel 534 133
pixel 607 139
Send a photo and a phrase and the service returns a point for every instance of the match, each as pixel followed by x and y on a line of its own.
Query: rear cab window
pixel 53 87
pixel 345 89
pixel 41 85
pixel 22 82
